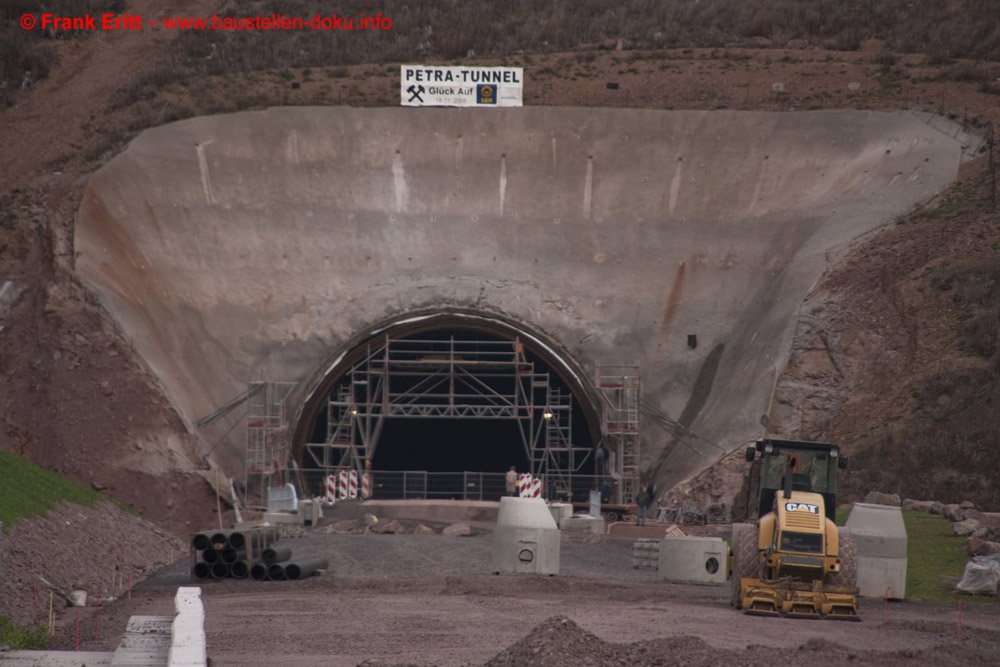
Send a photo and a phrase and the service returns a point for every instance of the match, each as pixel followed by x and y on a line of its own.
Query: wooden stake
pixel 218 500
pixel 97 619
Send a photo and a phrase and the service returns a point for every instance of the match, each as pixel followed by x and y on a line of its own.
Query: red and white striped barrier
pixel 331 489
pixel 523 484
pixel 347 484
pixel 366 485
pixel 529 487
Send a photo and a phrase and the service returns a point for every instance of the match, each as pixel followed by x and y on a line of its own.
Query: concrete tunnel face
pixel 258 244
pixel 452 444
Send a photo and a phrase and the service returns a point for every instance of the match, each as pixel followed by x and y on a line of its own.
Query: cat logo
pixel 801 507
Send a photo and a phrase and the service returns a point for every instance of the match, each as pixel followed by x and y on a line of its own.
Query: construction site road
pixel 433 600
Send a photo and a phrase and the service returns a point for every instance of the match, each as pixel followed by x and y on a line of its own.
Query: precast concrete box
pixel 880 537
pixel 526 538
pixel 560 511
pixel 583 523
pixel 693 560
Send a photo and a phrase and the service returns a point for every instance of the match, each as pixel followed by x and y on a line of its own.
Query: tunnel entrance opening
pixel 450 446
pixel 449 401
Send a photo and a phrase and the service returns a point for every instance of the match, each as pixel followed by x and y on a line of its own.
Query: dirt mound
pixel 99 549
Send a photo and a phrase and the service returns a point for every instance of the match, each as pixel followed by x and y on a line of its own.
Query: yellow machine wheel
pixel 848 575
pixel 745 559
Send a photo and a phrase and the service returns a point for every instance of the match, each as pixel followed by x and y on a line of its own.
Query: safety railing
pixel 424 485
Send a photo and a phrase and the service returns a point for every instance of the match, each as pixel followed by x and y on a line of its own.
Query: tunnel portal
pixel 449 400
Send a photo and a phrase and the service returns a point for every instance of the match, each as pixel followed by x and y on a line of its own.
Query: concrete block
pixel 583 524
pixel 310 511
pixel 526 550
pixel 693 560
pixel 188 645
pixel 281 498
pixel 560 511
pixel 526 539
pixel 282 517
pixel 878 576
pixel 525 513
pixel 646 553
pixel 880 536
pixel 878 530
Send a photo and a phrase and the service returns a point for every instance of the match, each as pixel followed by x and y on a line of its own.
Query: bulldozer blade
pixel 761 609
pixel 761 598
pixel 802 610
pixel 843 613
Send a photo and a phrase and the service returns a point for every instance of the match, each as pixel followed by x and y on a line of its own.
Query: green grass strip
pixel 936 559
pixel 23 639
pixel 27 490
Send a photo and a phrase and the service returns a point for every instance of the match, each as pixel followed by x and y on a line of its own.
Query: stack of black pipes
pixel 228 554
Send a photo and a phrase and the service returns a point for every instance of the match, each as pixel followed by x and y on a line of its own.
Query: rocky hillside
pixel 896 353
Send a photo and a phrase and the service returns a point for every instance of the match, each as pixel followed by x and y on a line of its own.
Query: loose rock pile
pixel 981 530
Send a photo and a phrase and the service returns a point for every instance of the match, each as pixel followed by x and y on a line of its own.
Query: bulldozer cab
pixel 796 466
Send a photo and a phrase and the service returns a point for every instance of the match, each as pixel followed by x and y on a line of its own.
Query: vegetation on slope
pixel 933 283
pixel 445 30
pixel 26 490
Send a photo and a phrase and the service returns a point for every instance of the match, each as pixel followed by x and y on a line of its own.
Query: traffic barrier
pixel 347 484
pixel 366 486
pixel 529 487
pixel 331 489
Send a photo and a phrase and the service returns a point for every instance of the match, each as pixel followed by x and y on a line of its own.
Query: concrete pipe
pixel 239 570
pixel 256 538
pixel 201 541
pixel 220 539
pixel 305 568
pixel 276 572
pixel 211 556
pixel 273 555
pixel 202 570
pixel 258 571
pixel 220 571
pixel 231 555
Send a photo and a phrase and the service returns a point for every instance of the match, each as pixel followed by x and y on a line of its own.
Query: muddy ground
pixel 433 600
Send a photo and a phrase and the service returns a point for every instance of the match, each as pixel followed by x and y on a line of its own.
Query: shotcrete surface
pixel 255 245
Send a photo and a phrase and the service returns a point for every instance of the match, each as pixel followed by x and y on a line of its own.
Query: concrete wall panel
pixel 233 247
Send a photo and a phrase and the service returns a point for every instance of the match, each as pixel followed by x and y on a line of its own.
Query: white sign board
pixel 434 86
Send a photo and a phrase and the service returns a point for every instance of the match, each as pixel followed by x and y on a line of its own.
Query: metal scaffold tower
pixel 619 388
pixel 448 378
pixel 268 439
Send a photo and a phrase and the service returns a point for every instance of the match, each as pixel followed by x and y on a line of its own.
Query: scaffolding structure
pixel 268 439
pixel 620 390
pixel 449 378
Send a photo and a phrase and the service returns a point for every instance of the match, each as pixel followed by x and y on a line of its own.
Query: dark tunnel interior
pixel 468 444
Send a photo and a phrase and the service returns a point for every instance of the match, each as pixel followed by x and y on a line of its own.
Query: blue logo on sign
pixel 486 93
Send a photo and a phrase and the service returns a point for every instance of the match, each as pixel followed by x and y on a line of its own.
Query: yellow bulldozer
pixel 793 561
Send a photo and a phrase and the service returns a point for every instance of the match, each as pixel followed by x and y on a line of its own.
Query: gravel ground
pixel 404 599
